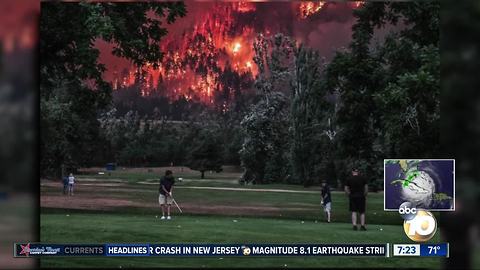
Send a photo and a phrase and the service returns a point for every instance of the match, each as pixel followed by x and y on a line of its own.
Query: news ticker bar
pixel 199 250
pixel 225 250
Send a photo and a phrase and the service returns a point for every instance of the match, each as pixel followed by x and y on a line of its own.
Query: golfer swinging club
pixel 165 190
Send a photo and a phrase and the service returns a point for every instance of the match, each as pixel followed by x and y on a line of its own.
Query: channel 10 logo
pixel 419 225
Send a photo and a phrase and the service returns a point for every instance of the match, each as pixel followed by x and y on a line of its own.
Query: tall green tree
pixel 389 93
pixel 264 152
pixel 308 110
pixel 206 152
pixel 72 90
pixel 274 57
pixel 265 148
pixel 409 101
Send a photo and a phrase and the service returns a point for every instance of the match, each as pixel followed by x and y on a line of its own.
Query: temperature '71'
pixel 433 249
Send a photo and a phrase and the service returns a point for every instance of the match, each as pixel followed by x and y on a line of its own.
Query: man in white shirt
pixel 71 182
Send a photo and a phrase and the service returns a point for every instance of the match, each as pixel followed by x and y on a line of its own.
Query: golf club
pixel 177 205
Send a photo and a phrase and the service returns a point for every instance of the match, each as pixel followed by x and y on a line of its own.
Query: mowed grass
pixel 127 228
pixel 304 206
pixel 270 217
pixel 228 178
pixel 140 185
pixel 153 174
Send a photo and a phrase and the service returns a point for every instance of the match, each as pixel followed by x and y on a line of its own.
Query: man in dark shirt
pixel 326 199
pixel 65 185
pixel 165 190
pixel 356 188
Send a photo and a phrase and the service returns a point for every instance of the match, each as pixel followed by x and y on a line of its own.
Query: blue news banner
pixel 421 250
pixel 199 250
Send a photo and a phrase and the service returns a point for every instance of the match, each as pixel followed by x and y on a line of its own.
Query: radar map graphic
pixel 427 184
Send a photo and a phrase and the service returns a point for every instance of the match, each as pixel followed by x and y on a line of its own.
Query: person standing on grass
pixel 165 197
pixel 356 188
pixel 71 182
pixel 65 185
pixel 326 200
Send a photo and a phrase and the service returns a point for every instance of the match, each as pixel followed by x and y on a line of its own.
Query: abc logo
pixel 407 210
pixel 421 227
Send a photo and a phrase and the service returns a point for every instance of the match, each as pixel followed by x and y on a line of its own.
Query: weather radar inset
pixel 426 183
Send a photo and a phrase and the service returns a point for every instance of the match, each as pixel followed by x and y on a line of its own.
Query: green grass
pixel 146 174
pixel 190 178
pixel 289 205
pixel 275 217
pixel 125 228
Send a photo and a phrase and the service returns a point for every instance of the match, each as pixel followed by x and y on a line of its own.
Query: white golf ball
pixel 381 229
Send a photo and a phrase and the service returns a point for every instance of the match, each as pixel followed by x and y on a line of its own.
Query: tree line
pixel 315 120
pixel 309 120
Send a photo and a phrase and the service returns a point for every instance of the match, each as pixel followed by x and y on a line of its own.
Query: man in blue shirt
pixel 165 190
pixel 65 185
pixel 326 200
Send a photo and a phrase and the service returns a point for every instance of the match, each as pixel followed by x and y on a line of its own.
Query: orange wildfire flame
pixel 236 47
pixel 244 7
pixel 210 43
pixel 307 9
pixel 213 41
pixel 358 4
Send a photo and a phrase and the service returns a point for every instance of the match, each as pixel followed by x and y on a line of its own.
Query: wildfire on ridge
pixel 245 6
pixel 198 52
pixel 307 9
pixel 193 61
